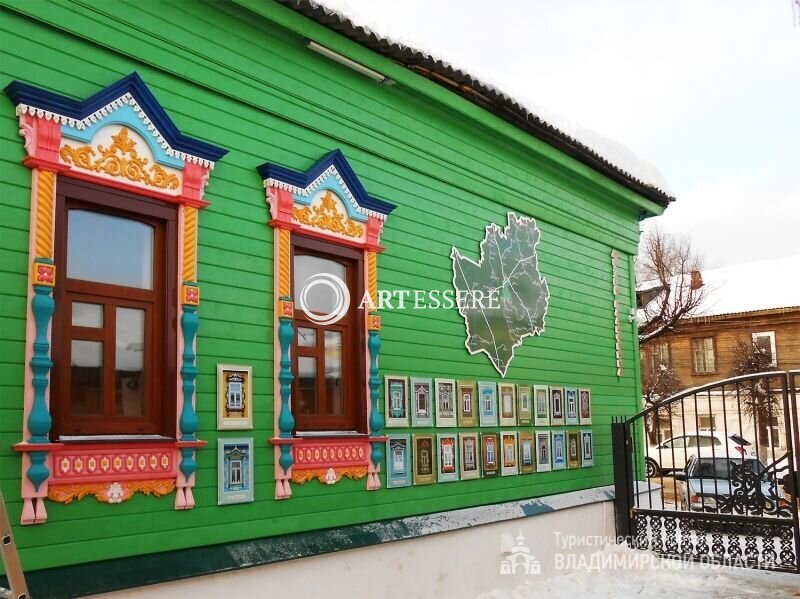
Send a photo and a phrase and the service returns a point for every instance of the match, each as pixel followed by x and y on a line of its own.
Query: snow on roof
pixel 361 22
pixel 763 285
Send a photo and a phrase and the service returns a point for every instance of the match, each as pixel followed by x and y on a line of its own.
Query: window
pixel 236 472
pixel 765 342
pixel 490 459
pixel 658 355
pixel 706 422
pixel 328 359
pixel 703 353
pixel 113 348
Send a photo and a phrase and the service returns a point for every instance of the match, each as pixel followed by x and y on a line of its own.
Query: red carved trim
pixel 45 165
pixel 374 227
pixel 48 139
pixel 277 224
pixel 142 191
pixel 97 462
pixel 196 444
pixel 194 182
pixel 25 447
pixel 330 453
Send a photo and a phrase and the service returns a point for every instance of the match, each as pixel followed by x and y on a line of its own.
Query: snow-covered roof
pixel 599 152
pixel 763 285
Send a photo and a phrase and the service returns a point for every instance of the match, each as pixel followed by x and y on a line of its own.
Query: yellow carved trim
pixel 284 263
pixel 189 243
pixel 120 159
pixel 327 217
pixel 321 474
pixel 372 276
pixel 110 492
pixel 43 244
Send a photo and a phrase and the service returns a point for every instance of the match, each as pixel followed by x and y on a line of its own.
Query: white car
pixel 672 454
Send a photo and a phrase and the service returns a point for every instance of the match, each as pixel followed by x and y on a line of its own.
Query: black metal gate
pixel 711 474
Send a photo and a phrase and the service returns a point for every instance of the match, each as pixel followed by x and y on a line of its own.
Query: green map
pixel 502 297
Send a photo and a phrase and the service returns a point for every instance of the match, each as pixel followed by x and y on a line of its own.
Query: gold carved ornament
pixel 325 216
pixel 115 492
pixel 352 472
pixel 120 159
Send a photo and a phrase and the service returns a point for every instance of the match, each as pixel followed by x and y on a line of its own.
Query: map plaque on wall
pixel 503 297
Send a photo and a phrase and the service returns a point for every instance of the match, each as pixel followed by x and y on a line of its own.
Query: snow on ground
pixel 368 15
pixel 645 575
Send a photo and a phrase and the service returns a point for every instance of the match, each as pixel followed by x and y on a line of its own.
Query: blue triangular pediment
pixel 82 110
pixel 303 181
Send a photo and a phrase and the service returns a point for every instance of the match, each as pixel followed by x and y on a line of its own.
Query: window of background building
pixel 766 342
pixel 703 355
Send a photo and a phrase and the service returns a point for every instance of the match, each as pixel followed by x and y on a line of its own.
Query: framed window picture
pixel 508 404
pixel 470 455
pixel 422 402
pixel 557 405
pixel 235 471
pixel 424 454
pixel 234 397
pixel 573 449
pixel 527 452
pixel 467 404
pixel 396 398
pixel 559 450
pixel 524 405
pixel 487 397
pixel 585 405
pixel 447 445
pixel 587 449
pixel 489 449
pixel 543 451
pixel 445 402
pixel 509 458
pixel 398 461
pixel 571 394
pixel 541 405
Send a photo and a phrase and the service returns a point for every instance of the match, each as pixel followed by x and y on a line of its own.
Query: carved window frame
pixel 118 138
pixel 329 203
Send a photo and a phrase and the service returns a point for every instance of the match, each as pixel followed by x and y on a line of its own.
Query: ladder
pixel 8 550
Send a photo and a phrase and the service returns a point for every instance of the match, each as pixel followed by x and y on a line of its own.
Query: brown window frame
pixel 713 353
pixel 352 327
pixel 160 305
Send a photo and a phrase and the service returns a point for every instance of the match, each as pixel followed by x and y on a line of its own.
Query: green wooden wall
pixel 450 167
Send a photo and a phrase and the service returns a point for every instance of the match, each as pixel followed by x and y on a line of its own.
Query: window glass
pixel 130 362
pixel 306 337
pixel 333 372
pixel 307 380
pixel 86 392
pixel 321 294
pixel 109 249
pixel 87 315
pixel 680 442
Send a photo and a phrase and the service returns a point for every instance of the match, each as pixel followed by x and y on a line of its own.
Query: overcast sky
pixel 706 90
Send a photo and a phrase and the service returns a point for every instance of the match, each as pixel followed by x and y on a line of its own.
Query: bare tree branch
pixel 669 283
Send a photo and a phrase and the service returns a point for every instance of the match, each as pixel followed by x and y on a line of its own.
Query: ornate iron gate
pixel 711 474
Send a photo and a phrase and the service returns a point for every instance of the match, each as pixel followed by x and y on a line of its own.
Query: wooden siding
pixel 264 96
pixel 726 332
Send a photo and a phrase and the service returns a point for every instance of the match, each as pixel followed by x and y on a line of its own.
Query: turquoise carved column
pixel 188 422
pixel 375 416
pixel 285 378
pixel 39 419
